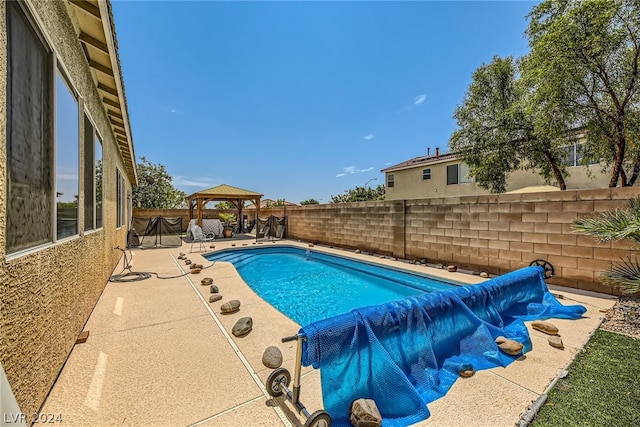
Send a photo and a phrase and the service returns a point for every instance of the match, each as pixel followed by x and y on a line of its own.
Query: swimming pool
pixel 308 285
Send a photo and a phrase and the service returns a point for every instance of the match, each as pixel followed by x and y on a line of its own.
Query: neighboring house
pixel 443 175
pixel 68 169
pixel 268 203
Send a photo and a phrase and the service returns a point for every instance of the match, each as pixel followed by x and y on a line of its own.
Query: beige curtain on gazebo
pixel 223 193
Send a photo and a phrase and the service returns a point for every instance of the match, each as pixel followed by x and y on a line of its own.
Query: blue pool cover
pixel 407 353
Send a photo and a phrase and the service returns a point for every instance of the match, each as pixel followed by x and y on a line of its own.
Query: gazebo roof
pixel 224 192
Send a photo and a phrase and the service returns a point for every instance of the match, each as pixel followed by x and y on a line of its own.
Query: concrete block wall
pixel 493 233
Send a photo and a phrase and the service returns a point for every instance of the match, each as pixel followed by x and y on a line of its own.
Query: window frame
pixel 64 77
pixel 426 174
pixel 18 17
pixel 390 181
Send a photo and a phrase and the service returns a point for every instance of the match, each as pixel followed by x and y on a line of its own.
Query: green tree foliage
pixel 224 205
pixel 154 189
pixel 583 72
pixel 497 134
pixel 360 194
pixel 277 203
pixel 310 202
pixel 619 224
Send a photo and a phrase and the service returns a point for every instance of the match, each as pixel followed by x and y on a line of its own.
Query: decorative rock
pixel 215 297
pixel 242 327
pixel 365 413
pixel 192 266
pixel 196 271
pixel 423 261
pixel 187 261
pixel 198 266
pixel 311 245
pixel 206 281
pixel 452 269
pixel 439 266
pixel 546 327
pixel 230 307
pixel 555 341
pixel 212 246
pixel 181 254
pixel 272 357
pixel 213 289
pixel 357 251
pixel 467 371
pixel 511 347
pixel 484 274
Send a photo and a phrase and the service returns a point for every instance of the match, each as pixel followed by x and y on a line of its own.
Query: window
pixel 390 180
pixel 458 174
pixel 98 181
pixel 29 134
pixel 120 198
pixel 67 181
pixel 574 155
pixel 92 177
pixel 426 174
pixel 452 174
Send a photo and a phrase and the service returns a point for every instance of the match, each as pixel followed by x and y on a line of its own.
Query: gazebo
pixel 234 195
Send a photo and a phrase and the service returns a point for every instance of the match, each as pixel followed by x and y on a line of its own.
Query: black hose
pixel 134 276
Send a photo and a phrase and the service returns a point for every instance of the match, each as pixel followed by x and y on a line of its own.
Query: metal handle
pixel 291 338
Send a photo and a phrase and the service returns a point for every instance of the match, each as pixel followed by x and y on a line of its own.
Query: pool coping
pixel 157 313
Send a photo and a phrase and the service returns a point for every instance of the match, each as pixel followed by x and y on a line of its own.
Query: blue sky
pixel 301 100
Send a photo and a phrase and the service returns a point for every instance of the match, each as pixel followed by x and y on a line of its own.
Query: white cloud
pixel 368 137
pixel 184 181
pixel 350 170
pixel 420 99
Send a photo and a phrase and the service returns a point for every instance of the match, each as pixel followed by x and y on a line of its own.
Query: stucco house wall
pixel 409 184
pixel 47 293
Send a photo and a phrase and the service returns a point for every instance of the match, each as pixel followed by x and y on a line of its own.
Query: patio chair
pixel 200 238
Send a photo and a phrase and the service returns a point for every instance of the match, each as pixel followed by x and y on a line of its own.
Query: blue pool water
pixel 308 286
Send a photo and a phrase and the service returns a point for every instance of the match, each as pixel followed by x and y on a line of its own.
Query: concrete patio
pixel 158 353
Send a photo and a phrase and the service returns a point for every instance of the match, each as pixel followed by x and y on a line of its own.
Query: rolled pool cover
pixel 407 353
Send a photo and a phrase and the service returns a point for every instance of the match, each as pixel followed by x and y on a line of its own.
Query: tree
pixel 583 69
pixel 154 189
pixel 224 205
pixel 277 203
pixel 497 132
pixel 360 194
pixel 620 224
pixel 310 202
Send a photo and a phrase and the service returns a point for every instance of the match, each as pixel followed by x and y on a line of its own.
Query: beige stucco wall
pixel 408 183
pixel 46 295
pixel 493 233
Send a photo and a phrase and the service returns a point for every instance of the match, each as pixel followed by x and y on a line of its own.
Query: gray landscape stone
pixel 511 347
pixel 556 341
pixel 242 327
pixel 365 413
pixel 230 307
pixel 272 357
pixel 215 297
pixel 213 289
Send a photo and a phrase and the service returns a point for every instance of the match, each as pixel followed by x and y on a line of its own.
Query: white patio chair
pixel 200 238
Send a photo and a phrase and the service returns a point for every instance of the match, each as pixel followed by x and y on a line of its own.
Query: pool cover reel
pixel 407 353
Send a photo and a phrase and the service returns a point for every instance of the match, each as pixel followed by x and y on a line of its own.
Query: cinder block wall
pixel 493 233
pixel 47 295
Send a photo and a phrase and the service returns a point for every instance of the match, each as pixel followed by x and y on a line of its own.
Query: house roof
pixel 224 192
pixel 421 161
pixel 97 35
